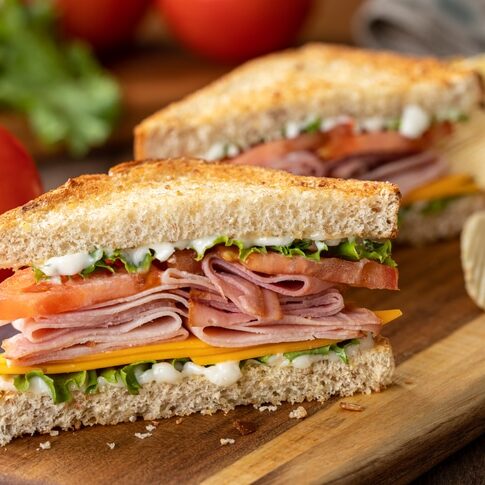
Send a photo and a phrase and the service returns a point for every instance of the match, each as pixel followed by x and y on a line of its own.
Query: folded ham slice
pixel 249 290
pixel 155 315
pixel 228 328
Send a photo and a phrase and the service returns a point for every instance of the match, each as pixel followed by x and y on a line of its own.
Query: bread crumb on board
pixel 54 432
pixel 227 441
pixel 132 419
pixel 298 413
pixel 179 420
pixel 270 408
pixel 111 446
pixel 150 427
pixel 44 446
pixel 142 436
pixel 351 406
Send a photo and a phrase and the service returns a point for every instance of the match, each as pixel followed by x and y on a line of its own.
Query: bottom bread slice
pixel 367 371
pixel 418 228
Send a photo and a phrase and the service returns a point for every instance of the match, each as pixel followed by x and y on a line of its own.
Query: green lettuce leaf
pixel 356 250
pixel 60 385
pixel 436 206
pixel 227 241
pixel 339 349
pixel 299 247
pixel 57 84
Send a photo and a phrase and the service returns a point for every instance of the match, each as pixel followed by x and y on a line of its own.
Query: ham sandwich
pixel 185 278
pixel 332 111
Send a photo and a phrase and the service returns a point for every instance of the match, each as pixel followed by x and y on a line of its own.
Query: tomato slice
pixel 364 273
pixel 342 142
pixel 22 297
pixel 263 154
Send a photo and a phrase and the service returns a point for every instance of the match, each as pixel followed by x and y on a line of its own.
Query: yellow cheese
pixel 200 352
pixel 449 186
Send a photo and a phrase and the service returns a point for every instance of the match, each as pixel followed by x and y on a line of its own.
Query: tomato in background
pixel 234 30
pixel 104 24
pixel 19 179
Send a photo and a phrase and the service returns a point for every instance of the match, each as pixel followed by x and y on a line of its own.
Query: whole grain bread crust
pixel 256 100
pixel 370 370
pixel 137 204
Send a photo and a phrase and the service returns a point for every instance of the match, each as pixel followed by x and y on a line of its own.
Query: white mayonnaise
pixel 277 360
pixel 200 245
pixel 220 150
pixel 72 264
pixel 222 374
pixel 268 241
pixel 136 256
pixel 6 384
pixel 162 372
pixel 38 386
pixel 215 152
pixel 414 122
pixel 330 123
pixel 163 251
pixel 67 265
pixel 373 124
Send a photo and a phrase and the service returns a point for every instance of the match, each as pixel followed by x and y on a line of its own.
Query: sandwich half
pixel 333 111
pixel 176 286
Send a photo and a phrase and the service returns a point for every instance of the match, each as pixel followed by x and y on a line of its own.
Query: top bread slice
pixel 137 204
pixel 255 101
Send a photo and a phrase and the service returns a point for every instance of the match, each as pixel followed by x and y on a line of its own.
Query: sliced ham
pixel 176 278
pixel 410 172
pixel 290 284
pixel 271 153
pixel 363 273
pixel 220 323
pixel 232 329
pixel 149 334
pixel 143 310
pixel 249 291
pixel 155 316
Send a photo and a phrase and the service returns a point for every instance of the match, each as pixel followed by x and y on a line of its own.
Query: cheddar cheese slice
pixel 193 348
pixel 449 186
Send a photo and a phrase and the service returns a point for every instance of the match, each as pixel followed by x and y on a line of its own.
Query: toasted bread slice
pixel 258 99
pixel 172 200
pixel 28 413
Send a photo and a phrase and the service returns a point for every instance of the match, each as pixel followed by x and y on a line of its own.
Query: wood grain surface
pixel 436 406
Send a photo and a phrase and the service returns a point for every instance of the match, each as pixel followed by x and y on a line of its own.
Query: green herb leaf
pixel 57 84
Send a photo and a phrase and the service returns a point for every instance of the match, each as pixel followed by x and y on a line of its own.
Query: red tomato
pixel 234 30
pixel 102 23
pixel 19 180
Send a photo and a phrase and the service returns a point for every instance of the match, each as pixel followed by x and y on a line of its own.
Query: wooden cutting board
pixel 436 406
